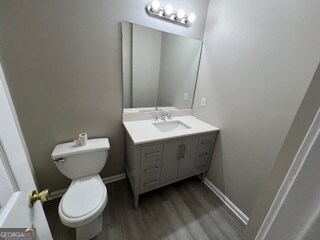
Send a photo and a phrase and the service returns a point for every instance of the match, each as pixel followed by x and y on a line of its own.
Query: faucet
pixel 156 118
pixel 165 116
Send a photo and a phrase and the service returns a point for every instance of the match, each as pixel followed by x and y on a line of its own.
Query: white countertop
pixel 143 131
pixel 149 109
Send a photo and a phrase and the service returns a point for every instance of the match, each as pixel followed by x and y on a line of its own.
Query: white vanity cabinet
pixel 153 165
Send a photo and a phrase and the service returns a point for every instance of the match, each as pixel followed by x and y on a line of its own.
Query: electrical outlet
pixel 185 96
pixel 203 101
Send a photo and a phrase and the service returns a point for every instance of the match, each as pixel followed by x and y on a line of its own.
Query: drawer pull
pixel 205 142
pixel 151 169
pixel 152 154
pixel 203 154
pixel 151 183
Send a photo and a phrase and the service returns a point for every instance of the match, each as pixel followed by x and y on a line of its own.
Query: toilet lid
pixel 82 197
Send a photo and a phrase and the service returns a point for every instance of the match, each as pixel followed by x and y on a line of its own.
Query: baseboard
pixel 106 180
pixel 114 178
pixel 229 204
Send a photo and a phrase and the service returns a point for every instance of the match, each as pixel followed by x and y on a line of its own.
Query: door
pixel 188 160
pixel 16 180
pixel 295 211
pixel 170 161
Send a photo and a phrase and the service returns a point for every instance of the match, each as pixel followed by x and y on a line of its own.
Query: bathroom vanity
pixel 164 142
pixel 162 152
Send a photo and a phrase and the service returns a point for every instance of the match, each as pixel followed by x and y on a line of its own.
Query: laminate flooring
pixel 184 210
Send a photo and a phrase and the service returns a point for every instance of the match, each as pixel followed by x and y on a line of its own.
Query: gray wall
pixel 178 71
pixel 146 55
pixel 300 126
pixel 62 61
pixel 258 60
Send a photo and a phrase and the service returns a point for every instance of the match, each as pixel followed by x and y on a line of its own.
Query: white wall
pixel 146 55
pixel 258 60
pixel 178 71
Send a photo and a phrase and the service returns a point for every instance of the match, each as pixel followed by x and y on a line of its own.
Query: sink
pixel 170 126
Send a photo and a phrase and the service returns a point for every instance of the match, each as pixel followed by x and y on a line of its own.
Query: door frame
pixel 291 181
pixel 15 116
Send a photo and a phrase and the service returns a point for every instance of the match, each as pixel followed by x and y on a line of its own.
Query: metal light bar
pixel 154 9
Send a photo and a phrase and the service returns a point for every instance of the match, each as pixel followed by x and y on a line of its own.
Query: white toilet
pixel 82 205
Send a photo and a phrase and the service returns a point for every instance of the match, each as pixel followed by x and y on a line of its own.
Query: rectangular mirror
pixel 159 69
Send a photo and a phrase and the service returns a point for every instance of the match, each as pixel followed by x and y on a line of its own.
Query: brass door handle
pixel 34 196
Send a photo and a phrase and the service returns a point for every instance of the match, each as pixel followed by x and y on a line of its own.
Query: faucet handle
pixel 169 116
pixel 156 117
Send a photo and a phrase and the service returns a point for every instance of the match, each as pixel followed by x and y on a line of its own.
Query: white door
pixel 295 212
pixel 16 180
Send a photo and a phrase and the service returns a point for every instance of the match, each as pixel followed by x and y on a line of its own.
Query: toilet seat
pixel 84 200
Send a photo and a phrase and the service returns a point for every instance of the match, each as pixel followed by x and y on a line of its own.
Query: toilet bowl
pixel 84 202
pixel 82 205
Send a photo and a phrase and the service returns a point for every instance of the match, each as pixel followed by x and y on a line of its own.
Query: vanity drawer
pixel 151 152
pixel 201 167
pixel 205 141
pixel 149 181
pixel 203 155
pixel 150 168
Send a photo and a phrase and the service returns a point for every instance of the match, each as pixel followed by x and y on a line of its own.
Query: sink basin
pixel 170 126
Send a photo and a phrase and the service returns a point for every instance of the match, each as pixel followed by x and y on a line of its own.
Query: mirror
pixel 159 69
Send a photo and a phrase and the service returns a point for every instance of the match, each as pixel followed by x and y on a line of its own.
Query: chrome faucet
pixel 166 116
pixel 156 118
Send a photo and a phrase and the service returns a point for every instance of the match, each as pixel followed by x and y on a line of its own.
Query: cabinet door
pixel 188 161
pixel 170 161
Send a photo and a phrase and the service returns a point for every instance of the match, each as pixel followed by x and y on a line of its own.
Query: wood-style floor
pixel 184 210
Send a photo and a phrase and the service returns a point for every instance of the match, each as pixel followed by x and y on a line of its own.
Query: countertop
pixel 143 131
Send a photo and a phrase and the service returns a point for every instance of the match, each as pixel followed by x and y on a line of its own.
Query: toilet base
pixel 90 230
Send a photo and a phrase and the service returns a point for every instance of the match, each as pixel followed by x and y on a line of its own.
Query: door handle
pixel 183 150
pixel 34 196
pixel 179 152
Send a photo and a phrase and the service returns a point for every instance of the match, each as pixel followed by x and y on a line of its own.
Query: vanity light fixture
pixel 155 9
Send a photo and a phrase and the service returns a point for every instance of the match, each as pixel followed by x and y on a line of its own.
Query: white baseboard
pixel 106 180
pixel 114 178
pixel 229 204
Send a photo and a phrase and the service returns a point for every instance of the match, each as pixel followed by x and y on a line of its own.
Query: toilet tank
pixel 75 161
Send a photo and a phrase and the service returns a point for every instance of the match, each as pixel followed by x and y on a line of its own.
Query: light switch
pixel 203 101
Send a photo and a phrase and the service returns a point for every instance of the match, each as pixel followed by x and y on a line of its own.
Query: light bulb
pixel 180 14
pixel 155 5
pixel 168 9
pixel 192 17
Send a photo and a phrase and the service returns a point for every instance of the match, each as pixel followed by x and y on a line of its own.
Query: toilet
pixel 82 205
